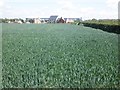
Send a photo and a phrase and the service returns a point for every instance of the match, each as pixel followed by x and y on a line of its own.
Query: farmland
pixel 58 55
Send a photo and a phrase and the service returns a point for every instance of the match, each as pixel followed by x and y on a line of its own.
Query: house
pixel 65 19
pixel 37 20
pixel 30 20
pixel 60 20
pixel 19 21
pixel 53 19
pixel 71 20
pixel 44 20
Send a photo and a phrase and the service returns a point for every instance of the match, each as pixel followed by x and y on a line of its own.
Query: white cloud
pixel 112 3
pixel 108 14
pixel 66 4
pixel 1 7
pixel 88 12
pixel 1 3
pixel 64 8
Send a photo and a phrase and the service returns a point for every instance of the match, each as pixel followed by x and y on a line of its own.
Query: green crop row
pixel 58 55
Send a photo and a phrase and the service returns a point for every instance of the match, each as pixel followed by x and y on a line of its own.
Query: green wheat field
pixel 58 55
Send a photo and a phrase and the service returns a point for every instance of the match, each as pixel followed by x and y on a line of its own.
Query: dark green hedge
pixel 104 27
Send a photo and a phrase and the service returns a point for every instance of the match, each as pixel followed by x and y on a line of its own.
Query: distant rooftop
pixel 54 17
pixel 44 18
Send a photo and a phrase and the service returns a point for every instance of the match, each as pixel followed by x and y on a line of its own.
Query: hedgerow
pixel 105 25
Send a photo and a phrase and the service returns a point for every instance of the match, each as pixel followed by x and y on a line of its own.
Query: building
pixel 19 21
pixel 71 20
pixel 29 20
pixel 44 20
pixel 60 20
pixel 53 19
pixel 37 20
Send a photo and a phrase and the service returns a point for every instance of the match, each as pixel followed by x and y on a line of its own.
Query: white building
pixel 20 22
pixel 37 20
pixel 69 20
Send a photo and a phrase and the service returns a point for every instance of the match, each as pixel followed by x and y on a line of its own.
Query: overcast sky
pixel 87 9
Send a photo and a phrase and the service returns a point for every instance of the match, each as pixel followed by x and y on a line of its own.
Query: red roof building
pixel 60 20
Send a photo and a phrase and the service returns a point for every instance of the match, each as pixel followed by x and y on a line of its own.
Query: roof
pixel 45 18
pixel 29 18
pixel 65 19
pixel 72 19
pixel 53 17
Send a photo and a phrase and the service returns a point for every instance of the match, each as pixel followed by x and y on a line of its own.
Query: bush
pixel 104 27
